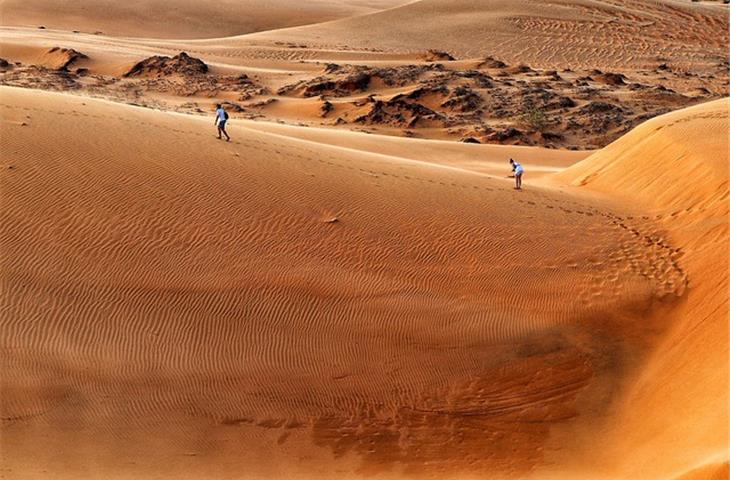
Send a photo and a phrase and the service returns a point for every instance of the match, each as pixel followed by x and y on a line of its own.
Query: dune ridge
pixel 676 166
pixel 551 35
pixel 182 18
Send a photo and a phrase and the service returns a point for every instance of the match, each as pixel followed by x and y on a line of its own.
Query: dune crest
pixel 181 18
pixel 676 166
pixel 563 33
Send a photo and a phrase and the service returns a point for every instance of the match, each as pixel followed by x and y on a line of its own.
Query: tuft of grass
pixel 534 118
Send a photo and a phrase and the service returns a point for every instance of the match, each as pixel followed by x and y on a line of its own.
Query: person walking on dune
pixel 518 170
pixel 221 117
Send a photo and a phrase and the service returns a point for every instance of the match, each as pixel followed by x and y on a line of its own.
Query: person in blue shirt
pixel 517 168
pixel 221 117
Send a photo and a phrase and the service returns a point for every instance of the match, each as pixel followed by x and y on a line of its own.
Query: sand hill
pixel 564 33
pixel 676 167
pixel 351 287
pixel 491 71
pixel 180 18
pixel 281 304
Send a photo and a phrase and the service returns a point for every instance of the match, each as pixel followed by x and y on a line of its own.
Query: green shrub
pixel 535 118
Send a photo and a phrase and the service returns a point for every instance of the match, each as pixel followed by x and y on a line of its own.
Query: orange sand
pixel 307 303
pixel 221 303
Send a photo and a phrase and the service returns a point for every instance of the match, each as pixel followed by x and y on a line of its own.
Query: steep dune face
pixel 557 34
pixel 180 18
pixel 178 306
pixel 676 161
pixel 676 414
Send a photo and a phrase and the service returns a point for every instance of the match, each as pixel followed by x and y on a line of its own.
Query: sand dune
pixel 673 153
pixel 279 303
pixel 490 71
pixel 467 100
pixel 351 287
pixel 180 18
pixel 676 166
pixel 485 159
pixel 558 34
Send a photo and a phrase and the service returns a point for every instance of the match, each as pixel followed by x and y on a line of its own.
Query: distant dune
pixel 180 18
pixel 563 33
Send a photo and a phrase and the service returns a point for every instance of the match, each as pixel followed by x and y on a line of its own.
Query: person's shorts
pixel 222 124
pixel 519 174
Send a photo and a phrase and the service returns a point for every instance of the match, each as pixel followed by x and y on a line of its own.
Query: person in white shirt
pixel 221 117
pixel 517 168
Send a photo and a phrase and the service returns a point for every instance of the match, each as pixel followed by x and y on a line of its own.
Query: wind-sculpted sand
pixel 181 18
pixel 489 71
pixel 281 304
pixel 574 33
pixel 351 287
pixel 676 166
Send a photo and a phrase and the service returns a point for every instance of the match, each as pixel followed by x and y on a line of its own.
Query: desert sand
pixel 351 287
pixel 184 19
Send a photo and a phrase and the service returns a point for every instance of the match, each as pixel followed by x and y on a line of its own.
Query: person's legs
pixel 518 181
pixel 222 129
pixel 219 131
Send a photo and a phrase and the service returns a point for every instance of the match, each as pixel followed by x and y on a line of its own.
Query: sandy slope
pixel 476 158
pixel 623 35
pixel 653 57
pixel 180 18
pixel 460 100
pixel 282 306
pixel 676 166
pixel 557 34
pixel 318 303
